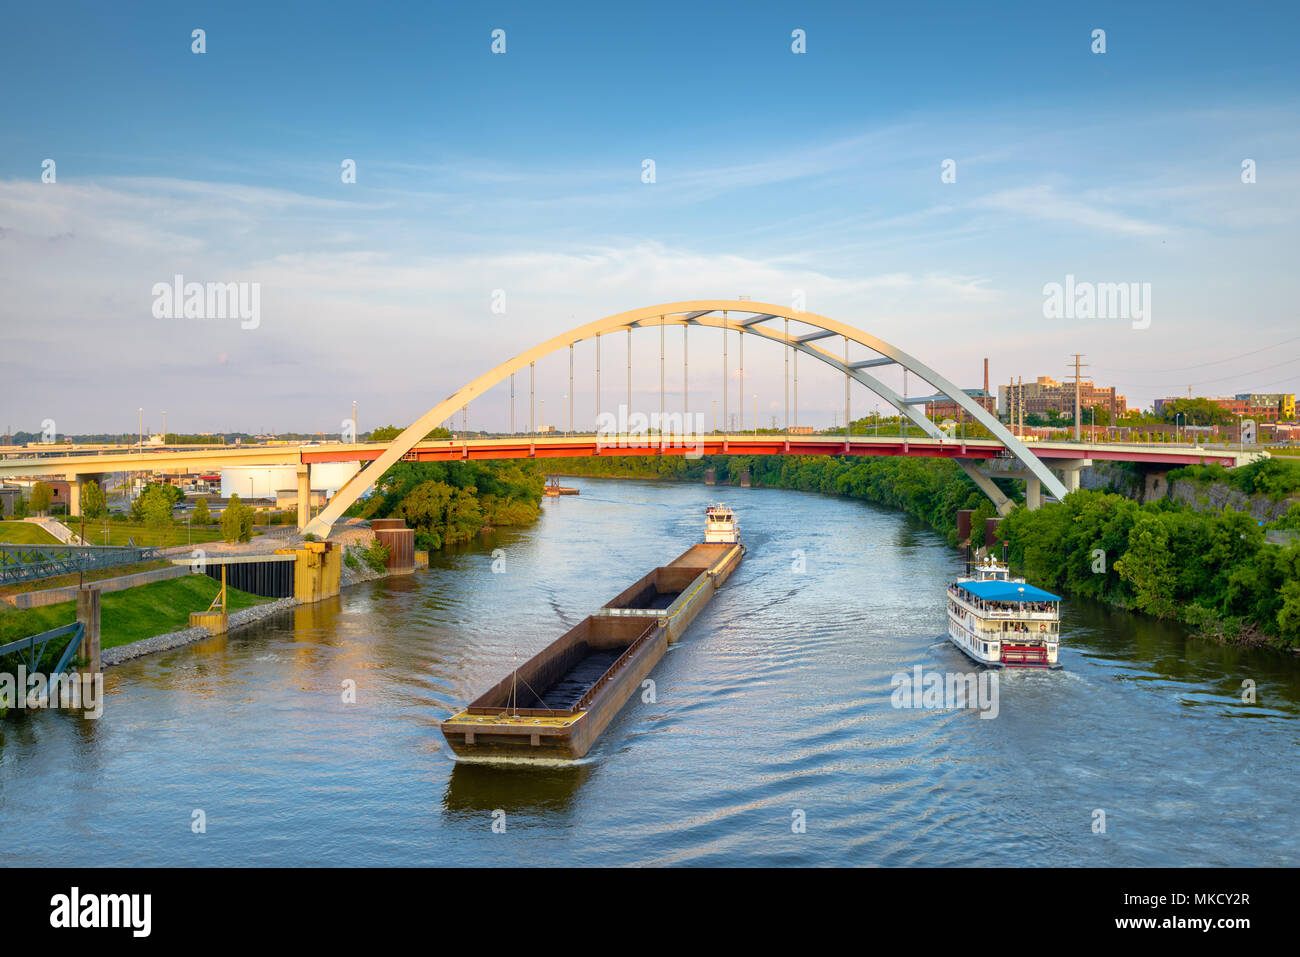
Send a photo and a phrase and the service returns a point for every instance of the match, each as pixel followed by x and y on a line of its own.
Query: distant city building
pixel 1045 395
pixel 802 430
pixel 949 409
pixel 946 408
pixel 1262 406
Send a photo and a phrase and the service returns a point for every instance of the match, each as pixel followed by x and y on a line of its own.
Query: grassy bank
pixel 1213 571
pixel 25 533
pixel 129 615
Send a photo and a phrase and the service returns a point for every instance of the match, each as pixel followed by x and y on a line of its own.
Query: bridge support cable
pixel 573 396
pixel 726 390
pixel 598 380
pixel 532 399
pixel 846 393
pixel 786 350
pixel 686 386
pixel 629 373
pixel 740 386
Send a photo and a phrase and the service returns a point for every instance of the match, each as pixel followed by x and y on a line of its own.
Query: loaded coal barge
pixel 554 706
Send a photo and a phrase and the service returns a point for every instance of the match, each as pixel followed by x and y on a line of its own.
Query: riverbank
pixel 1212 570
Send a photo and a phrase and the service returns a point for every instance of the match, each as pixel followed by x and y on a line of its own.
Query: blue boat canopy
pixel 1008 591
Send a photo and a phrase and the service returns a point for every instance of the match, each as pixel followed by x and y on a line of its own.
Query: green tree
pixel 1147 565
pixel 93 501
pixel 236 521
pixel 42 495
pixel 156 509
pixel 201 516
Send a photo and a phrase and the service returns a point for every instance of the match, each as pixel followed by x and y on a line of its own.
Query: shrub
pixel 376 555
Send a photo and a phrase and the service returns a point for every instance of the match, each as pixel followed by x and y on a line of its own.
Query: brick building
pixel 1045 395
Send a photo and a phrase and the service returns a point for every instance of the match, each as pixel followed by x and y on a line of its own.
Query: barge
pixel 555 706
pixel 1001 621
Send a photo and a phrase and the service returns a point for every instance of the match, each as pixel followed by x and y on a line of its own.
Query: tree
pixel 201 514
pixel 156 511
pixel 236 521
pixel 93 501
pixel 42 495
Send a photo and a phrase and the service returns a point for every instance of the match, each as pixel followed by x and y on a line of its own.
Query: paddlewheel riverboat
pixel 1001 621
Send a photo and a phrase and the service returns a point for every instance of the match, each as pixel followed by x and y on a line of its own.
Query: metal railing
pixel 618 664
pixel 31 649
pixel 20 563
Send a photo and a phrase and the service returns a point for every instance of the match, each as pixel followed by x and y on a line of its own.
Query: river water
pixel 771 740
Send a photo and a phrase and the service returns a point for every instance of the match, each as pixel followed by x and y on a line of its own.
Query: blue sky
pixel 522 172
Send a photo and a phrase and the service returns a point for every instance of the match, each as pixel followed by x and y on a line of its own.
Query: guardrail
pixel 20 563
pixel 31 649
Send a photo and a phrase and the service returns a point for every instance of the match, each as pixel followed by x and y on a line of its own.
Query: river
pixel 771 740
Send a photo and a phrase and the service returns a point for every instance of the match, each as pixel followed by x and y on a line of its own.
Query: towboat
pixel 1001 621
pixel 555 706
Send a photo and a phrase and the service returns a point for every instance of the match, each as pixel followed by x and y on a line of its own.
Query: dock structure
pixel 556 705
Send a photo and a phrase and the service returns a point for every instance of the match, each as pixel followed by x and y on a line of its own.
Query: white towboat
pixel 1001 621
pixel 720 526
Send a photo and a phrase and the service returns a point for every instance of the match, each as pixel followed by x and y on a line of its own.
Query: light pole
pixel 164 428
pixel 715 415
pixel 564 412
pixel 756 413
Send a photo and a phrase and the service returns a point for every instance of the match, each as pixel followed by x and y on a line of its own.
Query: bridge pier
pixel 74 496
pixel 1033 493
pixel 304 495
pixel 88 615
pixel 986 485
pixel 1070 469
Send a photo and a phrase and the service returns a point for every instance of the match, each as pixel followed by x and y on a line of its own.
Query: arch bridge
pixel 765 321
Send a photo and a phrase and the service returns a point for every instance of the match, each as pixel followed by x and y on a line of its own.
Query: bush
pixel 376 555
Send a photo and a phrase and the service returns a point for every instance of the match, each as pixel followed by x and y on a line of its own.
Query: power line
pixel 1202 365
pixel 1237 375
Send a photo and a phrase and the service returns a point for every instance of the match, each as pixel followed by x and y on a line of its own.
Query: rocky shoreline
pixel 188 636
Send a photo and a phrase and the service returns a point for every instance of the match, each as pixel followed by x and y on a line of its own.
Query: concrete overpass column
pixel 1033 493
pixel 304 495
pixel 74 495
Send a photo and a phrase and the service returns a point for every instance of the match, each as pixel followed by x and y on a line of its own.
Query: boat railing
pixel 617 666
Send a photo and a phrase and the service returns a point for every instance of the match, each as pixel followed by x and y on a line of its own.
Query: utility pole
pixel 1077 367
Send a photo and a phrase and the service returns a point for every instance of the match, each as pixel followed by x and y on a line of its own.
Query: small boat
pixel 553 487
pixel 555 706
pixel 1001 621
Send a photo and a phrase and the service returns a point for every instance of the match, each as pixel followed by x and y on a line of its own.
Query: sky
pixel 775 173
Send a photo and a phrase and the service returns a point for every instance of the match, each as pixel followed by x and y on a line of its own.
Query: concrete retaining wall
pixel 52 596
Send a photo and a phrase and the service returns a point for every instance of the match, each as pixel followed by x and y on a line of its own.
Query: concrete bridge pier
pixel 304 495
pixel 1070 469
pixel 1033 493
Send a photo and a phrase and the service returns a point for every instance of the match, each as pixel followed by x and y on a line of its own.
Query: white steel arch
pixel 714 313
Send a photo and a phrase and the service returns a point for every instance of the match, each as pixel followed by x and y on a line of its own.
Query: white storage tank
pixel 263 481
